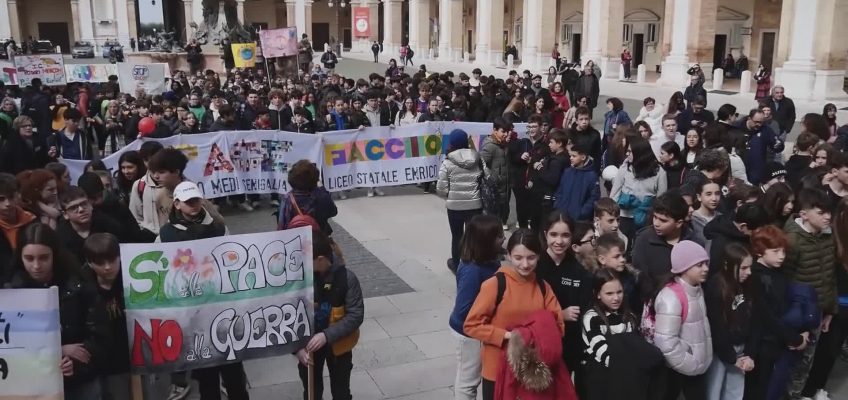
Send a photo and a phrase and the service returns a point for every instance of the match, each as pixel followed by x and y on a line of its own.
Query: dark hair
pixel 478 242
pixel 608 241
pixel 712 160
pixel 606 205
pixel 526 238
pixel 304 176
pixel 700 146
pixel 725 112
pixel 644 161
pixel 809 199
pixel 752 215
pixel 673 149
pixel 226 110
pixel 601 277
pixel 72 193
pixel 838 161
pixel 617 105
pixel 582 110
pixel 643 124
pixel 671 204
pixel 91 184
pixel 57 169
pixel 133 157
pixel 554 217
pixel 581 145
pixel 148 149
pixel 727 282
pixel 714 135
pixel 817 125
pixel 322 245
pixel 101 247
pixel 72 114
pixel 774 199
pixel 42 234
pixel 8 185
pixel 157 109
pixel 648 100
pixel 558 135
pixel 806 141
pixel 741 191
pixel 840 230
pixel 501 124
pixel 170 159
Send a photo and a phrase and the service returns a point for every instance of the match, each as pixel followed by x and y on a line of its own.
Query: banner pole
pixel 310 384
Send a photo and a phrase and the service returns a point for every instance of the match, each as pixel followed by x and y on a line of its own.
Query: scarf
pixel 10 231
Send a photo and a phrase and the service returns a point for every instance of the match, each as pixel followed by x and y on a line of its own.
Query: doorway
pixel 576 41
pixel 347 39
pixel 320 35
pixel 767 42
pixel 638 49
pixel 469 39
pixel 57 33
pixel 719 51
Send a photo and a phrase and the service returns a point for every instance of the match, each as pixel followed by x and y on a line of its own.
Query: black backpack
pixel 501 278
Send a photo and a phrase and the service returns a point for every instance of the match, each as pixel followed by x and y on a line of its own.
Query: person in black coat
pixel 694 90
pixel 22 150
pixel 36 105
pixel 783 110
pixel 81 219
pixel 300 123
pixel 732 228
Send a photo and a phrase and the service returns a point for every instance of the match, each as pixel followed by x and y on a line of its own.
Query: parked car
pixel 3 44
pixel 43 47
pixel 108 45
pixel 82 50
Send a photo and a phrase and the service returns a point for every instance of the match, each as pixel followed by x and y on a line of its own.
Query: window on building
pixel 566 33
pixel 517 31
pixel 627 33
pixel 651 33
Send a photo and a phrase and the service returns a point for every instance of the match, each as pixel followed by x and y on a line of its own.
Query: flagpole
pixel 267 70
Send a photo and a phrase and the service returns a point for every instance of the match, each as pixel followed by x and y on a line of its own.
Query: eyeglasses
pixel 26 126
pixel 78 208
pixel 591 240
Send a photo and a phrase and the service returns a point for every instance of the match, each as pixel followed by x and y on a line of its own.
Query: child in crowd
pixel 80 221
pixel 606 219
pixel 734 325
pixel 637 184
pixel 708 196
pixel 550 172
pixel 732 228
pixel 682 331
pixel 12 219
pixel 578 188
pixel 799 164
pixel 339 312
pixel 609 249
pixel 103 265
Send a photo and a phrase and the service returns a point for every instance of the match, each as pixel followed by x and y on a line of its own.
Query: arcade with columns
pixel 798 40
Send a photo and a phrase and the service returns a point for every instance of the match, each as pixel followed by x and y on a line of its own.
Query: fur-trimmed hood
pixel 526 364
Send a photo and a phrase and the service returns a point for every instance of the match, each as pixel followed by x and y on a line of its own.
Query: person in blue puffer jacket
pixel 479 260
pixel 578 187
pixel 638 182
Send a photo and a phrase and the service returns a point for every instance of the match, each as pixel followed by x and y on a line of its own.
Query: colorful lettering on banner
pixel 280 42
pixel 89 72
pixel 30 344
pixel 206 302
pixel 8 73
pixel 50 68
pixel 148 77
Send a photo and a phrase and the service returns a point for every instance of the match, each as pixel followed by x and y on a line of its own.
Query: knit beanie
pixel 457 139
pixel 686 254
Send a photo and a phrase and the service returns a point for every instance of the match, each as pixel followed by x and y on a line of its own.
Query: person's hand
pixel 614 126
pixel 825 323
pixel 67 366
pixel 52 152
pixel 304 357
pixel 317 342
pixel 507 335
pixel 538 165
pixel 525 156
pixel 571 313
pixel 329 118
pixel 805 339
pixel 77 352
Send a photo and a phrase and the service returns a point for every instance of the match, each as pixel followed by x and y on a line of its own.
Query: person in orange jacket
pixel 506 299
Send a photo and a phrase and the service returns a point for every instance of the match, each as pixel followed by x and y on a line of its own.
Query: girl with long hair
pixel 730 300
pixel 778 202
pixel 692 145
pixel 130 169
pixel 57 111
pixel 676 104
pixel 561 105
pixel 638 182
pixel 408 114
pixel 829 114
pixel 489 320
pixel 39 190
pixel 479 259
pixel 671 161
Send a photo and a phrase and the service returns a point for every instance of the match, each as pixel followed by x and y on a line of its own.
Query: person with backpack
pixel 306 200
pixel 459 182
pixel 507 298
pixel 676 322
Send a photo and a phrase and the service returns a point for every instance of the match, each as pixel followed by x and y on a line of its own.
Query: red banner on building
pixel 361 22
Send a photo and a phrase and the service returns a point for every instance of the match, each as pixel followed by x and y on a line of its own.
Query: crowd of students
pixel 675 248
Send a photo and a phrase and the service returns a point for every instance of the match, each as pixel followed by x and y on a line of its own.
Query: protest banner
pixel 227 163
pixel 209 302
pixel 89 73
pixel 278 42
pixel 150 77
pixel 8 73
pixel 244 55
pixel 50 68
pixel 30 344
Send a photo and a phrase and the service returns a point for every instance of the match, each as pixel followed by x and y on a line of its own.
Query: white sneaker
pixel 178 392
pixel 379 192
pixel 821 395
pixel 370 192
pixel 275 203
pixel 246 207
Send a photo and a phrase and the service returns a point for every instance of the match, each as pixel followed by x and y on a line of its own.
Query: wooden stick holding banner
pixel 310 381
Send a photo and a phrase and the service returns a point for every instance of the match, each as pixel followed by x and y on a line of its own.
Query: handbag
pixel 488 186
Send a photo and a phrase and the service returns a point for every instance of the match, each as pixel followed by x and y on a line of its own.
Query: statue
pixel 210 32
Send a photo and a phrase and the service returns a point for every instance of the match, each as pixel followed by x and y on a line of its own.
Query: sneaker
pixel 379 192
pixel 178 392
pixel 246 207
pixel 256 204
pixel 821 395
pixel 451 266
pixel 275 203
pixel 370 192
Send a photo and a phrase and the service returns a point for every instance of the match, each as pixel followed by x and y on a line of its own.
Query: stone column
pixel 419 27
pixel 123 22
pixel 131 19
pixel 15 21
pixel 392 28
pixel 240 11
pixel 6 21
pixel 189 18
pixel 677 62
pixel 75 17
pixel 86 21
pixel 450 30
pixel 545 27
pixel 702 27
pixel 495 18
pixel 799 71
pixel 279 11
pixel 307 15
pixel 831 50
pixel 290 14
pixel 530 27
pixel 603 27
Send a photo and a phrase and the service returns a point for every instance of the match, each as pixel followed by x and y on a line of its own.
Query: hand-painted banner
pixel 278 42
pixel 90 73
pixel 50 68
pixel 30 344
pixel 228 163
pixel 8 73
pixel 150 77
pixel 244 55
pixel 209 302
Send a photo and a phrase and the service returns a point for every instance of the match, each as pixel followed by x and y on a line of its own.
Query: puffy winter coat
pixel 494 155
pixel 578 191
pixel 653 118
pixel 458 180
pixel 686 345
pixel 625 182
pixel 811 259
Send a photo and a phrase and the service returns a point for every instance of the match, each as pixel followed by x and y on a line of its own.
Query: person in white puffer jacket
pixel 686 344
pixel 652 113
pixel 458 182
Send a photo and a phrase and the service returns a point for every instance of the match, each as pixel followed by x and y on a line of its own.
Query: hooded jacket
pixel 720 232
pixel 180 229
pixel 494 155
pixel 811 259
pixel 144 204
pixel 626 183
pixel 339 307
pixel 459 180
pixel 469 276
pixel 522 296
pixel 652 256
pixel 578 191
pixel 8 243
pixel 531 366
pixel 686 345
pixel 761 143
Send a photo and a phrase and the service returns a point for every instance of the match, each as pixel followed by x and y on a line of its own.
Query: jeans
pixel 375 56
pixel 339 366
pixel 468 366
pixel 802 368
pixel 90 390
pixel 457 220
pixel 827 351
pixel 724 381
pixel 526 203
pixel 209 382
pixel 115 387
